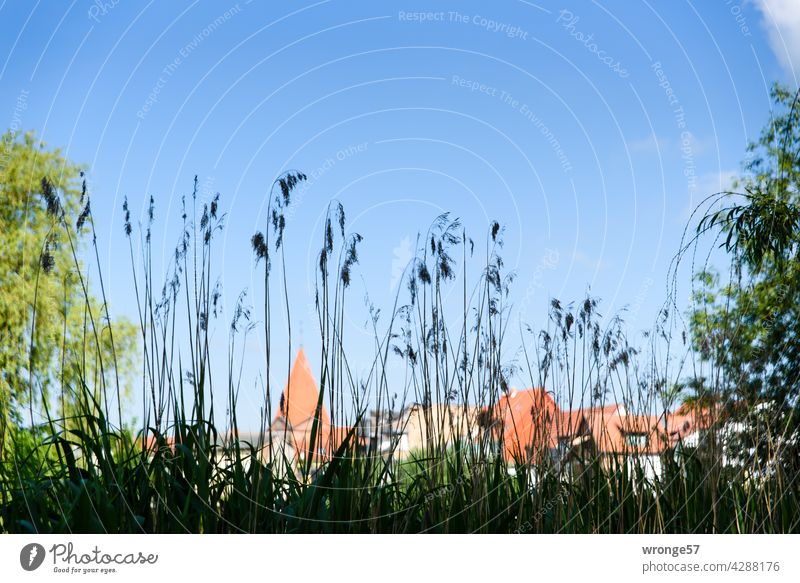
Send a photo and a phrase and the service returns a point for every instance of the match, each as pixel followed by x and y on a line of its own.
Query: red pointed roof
pixel 528 422
pixel 299 399
pixel 297 407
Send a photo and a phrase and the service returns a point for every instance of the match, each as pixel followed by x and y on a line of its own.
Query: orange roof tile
pixel 687 420
pixel 528 422
pixel 571 423
pixel 611 427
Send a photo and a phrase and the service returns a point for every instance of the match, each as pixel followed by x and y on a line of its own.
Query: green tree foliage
pixel 54 333
pixel 749 326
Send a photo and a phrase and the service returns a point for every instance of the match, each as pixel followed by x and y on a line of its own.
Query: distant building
pixel 687 425
pixel 301 410
pixel 417 427
pixel 523 424
pixel 529 427
pixel 615 436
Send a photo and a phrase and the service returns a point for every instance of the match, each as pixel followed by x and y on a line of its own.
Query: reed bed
pixel 187 468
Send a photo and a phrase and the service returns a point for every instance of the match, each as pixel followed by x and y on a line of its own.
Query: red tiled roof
pixel 527 423
pixel 611 426
pixel 687 420
pixel 530 423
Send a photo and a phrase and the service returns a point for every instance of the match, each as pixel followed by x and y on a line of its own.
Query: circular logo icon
pixel 31 556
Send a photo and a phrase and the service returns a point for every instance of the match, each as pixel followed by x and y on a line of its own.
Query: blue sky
pixel 589 129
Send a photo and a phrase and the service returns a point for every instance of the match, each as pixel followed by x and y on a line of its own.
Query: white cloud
pixel 706 185
pixel 650 144
pixel 781 20
pixel 713 182
pixel 653 144
pixel 401 257
pixel 581 258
